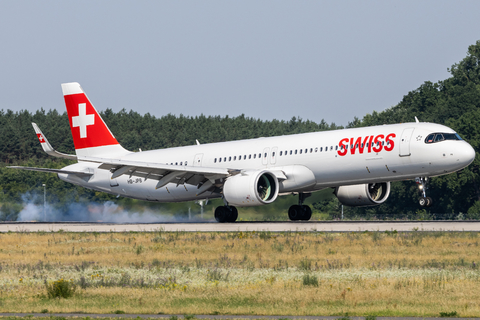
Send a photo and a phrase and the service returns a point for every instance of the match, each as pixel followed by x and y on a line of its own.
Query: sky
pixel 330 60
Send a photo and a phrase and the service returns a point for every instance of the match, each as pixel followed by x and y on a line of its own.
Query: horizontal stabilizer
pixel 52 170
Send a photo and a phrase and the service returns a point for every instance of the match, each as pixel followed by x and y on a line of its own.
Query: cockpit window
pixel 437 137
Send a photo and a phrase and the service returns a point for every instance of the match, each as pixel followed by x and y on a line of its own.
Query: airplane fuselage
pixel 316 161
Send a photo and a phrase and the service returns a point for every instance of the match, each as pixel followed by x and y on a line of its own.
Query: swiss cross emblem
pixel 40 138
pixel 83 120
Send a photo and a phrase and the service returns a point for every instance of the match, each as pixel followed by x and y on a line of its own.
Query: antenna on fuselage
pixel 416 120
pixel 198 143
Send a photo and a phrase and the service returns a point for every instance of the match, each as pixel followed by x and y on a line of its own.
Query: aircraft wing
pixel 202 177
pixel 47 147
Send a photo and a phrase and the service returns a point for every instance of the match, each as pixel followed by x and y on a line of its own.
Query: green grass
pixel 363 274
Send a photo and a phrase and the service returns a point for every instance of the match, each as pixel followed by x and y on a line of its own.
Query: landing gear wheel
pixel 429 202
pixel 422 201
pixel 226 214
pixel 295 212
pixel 425 201
pixel 307 213
pixel 221 214
pixel 233 214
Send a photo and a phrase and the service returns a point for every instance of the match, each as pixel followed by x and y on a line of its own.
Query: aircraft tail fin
pixel 91 136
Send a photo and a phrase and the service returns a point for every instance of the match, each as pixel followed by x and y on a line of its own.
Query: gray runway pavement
pixel 326 226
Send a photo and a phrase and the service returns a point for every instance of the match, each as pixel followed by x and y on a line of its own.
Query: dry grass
pixel 384 274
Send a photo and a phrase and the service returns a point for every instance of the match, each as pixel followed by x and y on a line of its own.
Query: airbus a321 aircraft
pixel 358 163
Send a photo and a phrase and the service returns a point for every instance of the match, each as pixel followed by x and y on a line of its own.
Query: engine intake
pixel 361 195
pixel 251 189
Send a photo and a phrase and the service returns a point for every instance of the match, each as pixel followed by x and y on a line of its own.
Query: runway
pixel 310 226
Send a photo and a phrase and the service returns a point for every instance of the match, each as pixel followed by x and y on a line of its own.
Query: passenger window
pixel 295 151
pixel 331 148
pixel 259 155
pixel 249 156
pixel 229 158
pixel 245 157
pixel 181 163
pixel 224 159
pixel 311 150
pixel 316 149
pixel 306 150
pixel 234 158
pixel 265 154
pixel 255 156
pixel 321 149
pixel 336 147
pixel 273 154
pixel 185 162
pixel 219 159
pixel 215 160
pixel 290 152
pixel 301 151
pixel 281 152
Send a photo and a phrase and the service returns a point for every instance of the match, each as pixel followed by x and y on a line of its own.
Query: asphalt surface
pixel 324 226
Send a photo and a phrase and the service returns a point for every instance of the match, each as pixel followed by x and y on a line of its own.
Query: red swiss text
pixel 366 144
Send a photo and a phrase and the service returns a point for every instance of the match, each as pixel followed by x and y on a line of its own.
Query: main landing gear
pixel 424 201
pixel 226 214
pixel 300 211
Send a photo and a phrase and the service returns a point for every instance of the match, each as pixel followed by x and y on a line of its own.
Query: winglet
pixel 47 147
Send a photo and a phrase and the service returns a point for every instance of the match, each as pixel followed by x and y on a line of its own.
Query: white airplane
pixel 358 163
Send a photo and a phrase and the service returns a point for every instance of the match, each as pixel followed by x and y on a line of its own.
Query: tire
pixel 422 201
pixel 221 214
pixel 232 213
pixel 295 212
pixel 429 202
pixel 307 213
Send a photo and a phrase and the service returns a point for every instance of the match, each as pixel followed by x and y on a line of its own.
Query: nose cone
pixel 466 155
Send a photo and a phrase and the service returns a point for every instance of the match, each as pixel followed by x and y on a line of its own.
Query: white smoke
pixel 96 212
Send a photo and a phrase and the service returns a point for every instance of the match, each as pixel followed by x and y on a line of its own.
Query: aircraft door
pixel 265 156
pixel 198 160
pixel 273 158
pixel 405 142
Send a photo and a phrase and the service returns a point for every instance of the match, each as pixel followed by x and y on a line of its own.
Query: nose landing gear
pixel 424 201
pixel 300 211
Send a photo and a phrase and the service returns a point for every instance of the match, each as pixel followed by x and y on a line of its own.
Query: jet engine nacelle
pixel 253 188
pixel 361 195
